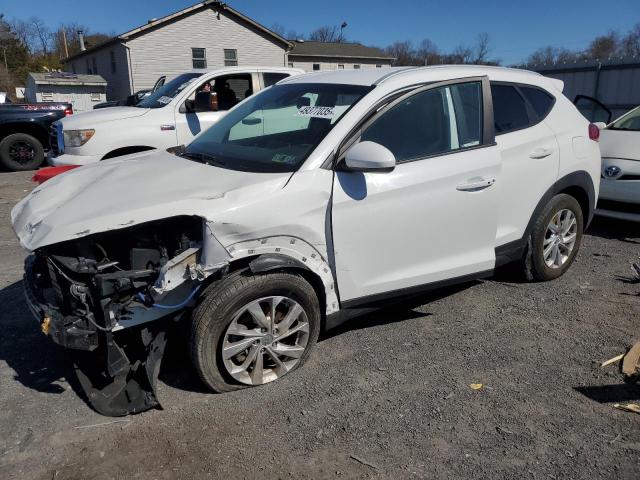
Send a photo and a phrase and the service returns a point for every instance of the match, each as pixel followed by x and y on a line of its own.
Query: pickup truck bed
pixel 24 133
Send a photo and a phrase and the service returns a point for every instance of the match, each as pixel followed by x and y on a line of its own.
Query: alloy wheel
pixel 265 340
pixel 560 238
pixel 21 152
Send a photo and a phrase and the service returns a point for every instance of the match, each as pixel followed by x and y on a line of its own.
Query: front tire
pixel 253 329
pixel 19 152
pixel 555 239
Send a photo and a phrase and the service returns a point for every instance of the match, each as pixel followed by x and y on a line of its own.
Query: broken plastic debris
pixel 628 407
pixel 476 386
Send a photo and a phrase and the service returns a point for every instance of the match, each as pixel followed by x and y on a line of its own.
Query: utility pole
pixel 64 40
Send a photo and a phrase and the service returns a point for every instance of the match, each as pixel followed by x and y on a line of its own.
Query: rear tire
pixel 19 152
pixel 555 239
pixel 229 320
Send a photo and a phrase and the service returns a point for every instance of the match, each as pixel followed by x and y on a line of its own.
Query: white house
pixel 206 35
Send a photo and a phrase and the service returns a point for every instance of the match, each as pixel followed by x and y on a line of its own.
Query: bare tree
pixel 41 34
pixel 329 33
pixel 22 31
pixel 428 52
pixel 283 32
pixel 603 47
pixel 403 53
pixel 630 43
pixel 482 49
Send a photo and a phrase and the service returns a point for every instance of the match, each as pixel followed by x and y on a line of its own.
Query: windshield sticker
pixel 315 112
pixel 283 158
pixel 164 100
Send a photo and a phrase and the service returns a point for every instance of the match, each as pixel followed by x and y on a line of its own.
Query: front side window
pixel 276 130
pixel 199 57
pixel 232 89
pixel 509 109
pixel 230 57
pixel 630 122
pixel 165 94
pixel 431 122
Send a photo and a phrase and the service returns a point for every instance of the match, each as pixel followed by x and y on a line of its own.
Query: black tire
pixel 535 267
pixel 19 152
pixel 226 297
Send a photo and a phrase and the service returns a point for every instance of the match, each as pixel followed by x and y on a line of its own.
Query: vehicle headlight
pixel 77 138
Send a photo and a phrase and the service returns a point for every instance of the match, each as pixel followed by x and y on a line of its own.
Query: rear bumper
pixel 67 159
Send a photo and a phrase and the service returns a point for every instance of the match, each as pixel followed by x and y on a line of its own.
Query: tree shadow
pixel 611 393
pixel 38 363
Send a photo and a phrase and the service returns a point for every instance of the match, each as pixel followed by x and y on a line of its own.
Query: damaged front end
pixel 109 297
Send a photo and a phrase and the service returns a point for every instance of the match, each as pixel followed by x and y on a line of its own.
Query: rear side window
pixel 509 109
pixel 540 100
pixel 273 78
pixel 430 122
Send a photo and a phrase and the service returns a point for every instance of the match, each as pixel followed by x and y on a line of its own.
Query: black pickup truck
pixel 24 133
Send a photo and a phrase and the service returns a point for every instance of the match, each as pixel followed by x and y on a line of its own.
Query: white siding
pixel 306 63
pixel 166 50
pixel 118 85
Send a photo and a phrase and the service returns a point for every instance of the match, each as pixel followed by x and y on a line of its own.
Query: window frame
pixel 230 62
pixel 534 118
pixel 394 98
pixel 203 59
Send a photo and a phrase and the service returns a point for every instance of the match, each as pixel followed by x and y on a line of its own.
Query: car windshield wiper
pixel 203 158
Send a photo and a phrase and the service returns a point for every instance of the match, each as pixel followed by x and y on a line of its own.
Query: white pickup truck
pixel 172 115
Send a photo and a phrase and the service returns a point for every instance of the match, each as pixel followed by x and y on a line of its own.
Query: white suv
pixel 323 195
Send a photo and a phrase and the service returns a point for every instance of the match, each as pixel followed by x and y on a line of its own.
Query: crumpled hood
pixel 102 115
pixel 126 191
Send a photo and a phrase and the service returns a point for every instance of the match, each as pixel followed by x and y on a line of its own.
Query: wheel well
pixel 30 129
pixel 314 280
pixel 582 197
pixel 118 152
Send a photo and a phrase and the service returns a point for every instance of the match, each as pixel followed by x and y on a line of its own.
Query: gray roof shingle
pixel 327 49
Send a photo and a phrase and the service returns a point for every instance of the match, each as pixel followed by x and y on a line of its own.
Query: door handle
pixel 476 184
pixel 167 127
pixel 541 153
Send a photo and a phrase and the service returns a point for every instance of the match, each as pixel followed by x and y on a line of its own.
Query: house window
pixel 95 65
pixel 290 64
pixel 316 66
pixel 230 57
pixel 378 66
pixel 199 57
pixel 95 96
pixel 47 96
pixel 356 66
pixel 112 57
pixel 88 67
pixel 340 66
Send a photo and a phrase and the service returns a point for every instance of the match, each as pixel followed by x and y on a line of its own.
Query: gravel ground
pixel 385 396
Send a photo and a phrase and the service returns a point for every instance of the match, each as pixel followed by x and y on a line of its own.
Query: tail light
pixel 68 111
pixel 594 132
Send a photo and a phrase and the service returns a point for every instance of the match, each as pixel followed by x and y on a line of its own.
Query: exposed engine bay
pixel 98 294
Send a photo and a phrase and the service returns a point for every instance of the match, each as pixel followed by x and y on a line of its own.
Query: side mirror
pixel 600 125
pixel 303 102
pixel 369 157
pixel 206 102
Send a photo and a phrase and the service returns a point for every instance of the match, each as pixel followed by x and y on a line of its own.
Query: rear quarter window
pixel 541 101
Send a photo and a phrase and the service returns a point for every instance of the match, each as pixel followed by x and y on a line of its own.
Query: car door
pixel 230 89
pixel 529 153
pixel 434 216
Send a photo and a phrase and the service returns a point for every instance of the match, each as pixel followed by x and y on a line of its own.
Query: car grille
pixel 623 207
pixel 53 140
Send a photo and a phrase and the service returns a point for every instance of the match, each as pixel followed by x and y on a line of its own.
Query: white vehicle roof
pixel 402 76
pixel 245 69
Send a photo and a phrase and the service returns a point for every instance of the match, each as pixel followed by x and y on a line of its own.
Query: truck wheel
pixel 555 239
pixel 20 151
pixel 253 329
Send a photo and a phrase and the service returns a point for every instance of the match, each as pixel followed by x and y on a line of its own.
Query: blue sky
pixel 516 27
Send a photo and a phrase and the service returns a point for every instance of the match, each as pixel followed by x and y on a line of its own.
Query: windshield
pixel 631 121
pixel 276 130
pixel 168 91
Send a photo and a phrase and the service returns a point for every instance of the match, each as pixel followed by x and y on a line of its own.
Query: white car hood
pixel 101 115
pixel 118 193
